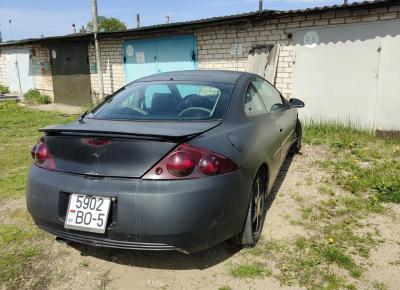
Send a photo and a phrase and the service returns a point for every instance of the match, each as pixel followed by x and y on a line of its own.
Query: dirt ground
pixel 72 266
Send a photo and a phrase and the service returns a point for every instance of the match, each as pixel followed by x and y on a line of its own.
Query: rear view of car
pixel 175 161
pixel 127 175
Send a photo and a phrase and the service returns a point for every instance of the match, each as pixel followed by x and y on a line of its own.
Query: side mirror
pixel 296 103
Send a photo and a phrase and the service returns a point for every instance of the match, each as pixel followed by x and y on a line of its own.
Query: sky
pixel 34 18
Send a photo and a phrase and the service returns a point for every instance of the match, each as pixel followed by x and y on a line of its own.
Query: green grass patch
pixel 249 271
pixel 364 163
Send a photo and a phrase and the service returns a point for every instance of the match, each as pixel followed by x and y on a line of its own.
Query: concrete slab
pixel 61 108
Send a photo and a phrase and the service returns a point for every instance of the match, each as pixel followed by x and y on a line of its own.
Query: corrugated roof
pixel 234 17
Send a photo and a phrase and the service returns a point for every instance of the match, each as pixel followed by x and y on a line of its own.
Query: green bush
pixel 33 96
pixel 4 89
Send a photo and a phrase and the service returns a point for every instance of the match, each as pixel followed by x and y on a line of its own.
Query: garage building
pixel 343 61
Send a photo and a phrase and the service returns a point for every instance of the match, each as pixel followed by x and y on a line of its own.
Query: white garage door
pixel 347 73
pixel 18 70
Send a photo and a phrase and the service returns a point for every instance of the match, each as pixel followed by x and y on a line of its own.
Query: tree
pixel 106 24
pixel 1 38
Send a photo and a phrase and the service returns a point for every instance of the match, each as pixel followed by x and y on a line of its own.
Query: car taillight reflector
pixel 187 161
pixel 42 157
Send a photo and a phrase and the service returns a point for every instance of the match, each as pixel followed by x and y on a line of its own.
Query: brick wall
pixel 215 42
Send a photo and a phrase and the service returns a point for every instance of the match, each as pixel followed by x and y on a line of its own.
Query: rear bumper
pixel 185 215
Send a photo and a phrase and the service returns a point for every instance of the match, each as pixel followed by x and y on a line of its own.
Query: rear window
pixel 167 101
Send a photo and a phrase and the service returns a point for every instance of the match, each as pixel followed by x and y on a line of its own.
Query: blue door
pixel 149 56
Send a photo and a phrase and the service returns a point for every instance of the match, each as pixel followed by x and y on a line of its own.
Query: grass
pixel 363 163
pixel 20 240
pixel 248 270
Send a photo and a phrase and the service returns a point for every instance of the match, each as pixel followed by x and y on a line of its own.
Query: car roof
pixel 219 76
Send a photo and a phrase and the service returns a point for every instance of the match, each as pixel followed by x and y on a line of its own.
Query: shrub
pixel 4 89
pixel 35 97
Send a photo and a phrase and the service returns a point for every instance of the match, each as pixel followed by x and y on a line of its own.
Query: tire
pixel 256 212
pixel 297 143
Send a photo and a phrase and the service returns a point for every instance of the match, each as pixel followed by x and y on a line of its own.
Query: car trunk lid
pixel 117 148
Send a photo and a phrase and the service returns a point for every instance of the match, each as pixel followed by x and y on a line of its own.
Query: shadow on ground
pixel 172 260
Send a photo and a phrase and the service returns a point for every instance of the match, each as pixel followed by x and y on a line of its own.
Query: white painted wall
pixel 348 74
pixel 18 70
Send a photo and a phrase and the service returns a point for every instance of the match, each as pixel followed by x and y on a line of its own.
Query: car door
pixel 267 139
pixel 280 111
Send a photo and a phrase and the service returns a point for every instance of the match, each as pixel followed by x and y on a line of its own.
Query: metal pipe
pixel 97 48
pixel 138 20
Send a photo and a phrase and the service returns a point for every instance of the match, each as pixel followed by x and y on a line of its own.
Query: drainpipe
pixel 97 48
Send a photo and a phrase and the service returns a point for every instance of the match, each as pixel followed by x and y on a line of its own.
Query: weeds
pixel 249 271
pixel 33 96
pixel 4 89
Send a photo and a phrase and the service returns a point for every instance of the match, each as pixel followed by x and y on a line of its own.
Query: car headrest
pixel 164 102
pixel 195 100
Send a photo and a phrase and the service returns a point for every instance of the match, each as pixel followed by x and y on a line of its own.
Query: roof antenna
pixel 260 5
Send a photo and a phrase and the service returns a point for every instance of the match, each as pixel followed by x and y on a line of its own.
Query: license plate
pixel 87 213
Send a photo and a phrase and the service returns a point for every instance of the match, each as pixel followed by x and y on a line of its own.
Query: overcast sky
pixel 33 18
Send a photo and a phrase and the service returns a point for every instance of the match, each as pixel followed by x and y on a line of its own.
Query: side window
pixel 270 96
pixel 253 103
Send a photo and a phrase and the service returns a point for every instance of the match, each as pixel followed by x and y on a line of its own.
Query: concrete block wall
pixel 3 78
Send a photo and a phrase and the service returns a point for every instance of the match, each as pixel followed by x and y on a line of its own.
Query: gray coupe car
pixel 175 161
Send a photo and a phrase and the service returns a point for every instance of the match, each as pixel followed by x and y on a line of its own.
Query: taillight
pixel 187 161
pixel 180 164
pixel 42 157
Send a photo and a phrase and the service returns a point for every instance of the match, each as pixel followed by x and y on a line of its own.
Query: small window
pixel 270 96
pixel 253 103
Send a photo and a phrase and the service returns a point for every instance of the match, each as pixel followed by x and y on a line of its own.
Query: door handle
pixel 280 130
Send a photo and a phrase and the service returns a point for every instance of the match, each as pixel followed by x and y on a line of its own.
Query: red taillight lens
pixel 180 164
pixel 41 155
pixel 209 165
pixel 187 161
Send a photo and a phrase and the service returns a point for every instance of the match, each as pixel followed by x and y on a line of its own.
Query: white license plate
pixel 87 213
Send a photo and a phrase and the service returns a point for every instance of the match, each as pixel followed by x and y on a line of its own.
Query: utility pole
pixel 97 48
